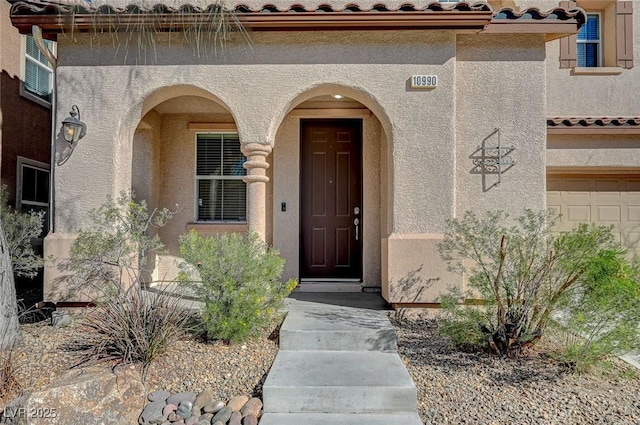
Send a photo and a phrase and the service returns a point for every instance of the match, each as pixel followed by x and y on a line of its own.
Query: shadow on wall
pixel 25 130
pixel 410 288
pixel 491 160
pixel 67 212
pixel 311 48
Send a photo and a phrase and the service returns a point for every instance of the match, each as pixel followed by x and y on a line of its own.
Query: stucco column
pixel 256 179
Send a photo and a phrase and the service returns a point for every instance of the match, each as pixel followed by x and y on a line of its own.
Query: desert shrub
pixel 134 326
pixel 604 314
pixel 114 250
pixel 20 229
pixel 523 274
pixel 238 283
pixel 109 259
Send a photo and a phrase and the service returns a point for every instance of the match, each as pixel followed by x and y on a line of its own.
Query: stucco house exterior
pixel 25 120
pixel 346 133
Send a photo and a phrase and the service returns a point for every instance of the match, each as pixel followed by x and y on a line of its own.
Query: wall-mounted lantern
pixel 72 128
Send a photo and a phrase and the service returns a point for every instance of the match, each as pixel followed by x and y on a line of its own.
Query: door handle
pixel 356 221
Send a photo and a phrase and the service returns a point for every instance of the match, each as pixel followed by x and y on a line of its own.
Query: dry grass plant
pixel 207 31
pixel 134 326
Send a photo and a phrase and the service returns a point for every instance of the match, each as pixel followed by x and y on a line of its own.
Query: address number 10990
pixel 424 81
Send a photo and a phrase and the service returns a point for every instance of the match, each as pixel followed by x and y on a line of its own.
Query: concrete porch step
pixel 340 419
pixel 348 382
pixel 336 328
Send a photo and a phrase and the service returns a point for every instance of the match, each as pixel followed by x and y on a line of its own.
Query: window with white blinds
pixel 38 74
pixel 220 192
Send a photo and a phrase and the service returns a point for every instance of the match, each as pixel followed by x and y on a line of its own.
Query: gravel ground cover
pixel 479 388
pixel 453 387
pixel 46 353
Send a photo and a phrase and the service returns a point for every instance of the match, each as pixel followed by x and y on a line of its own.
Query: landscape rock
pixel 169 408
pixel 184 409
pixel 159 396
pixel 178 398
pixel 236 403
pixel 250 420
pixel 252 407
pixel 223 415
pixel 191 421
pixel 213 407
pixel 236 419
pixel 205 397
pixel 153 413
pixel 83 397
pixel 206 417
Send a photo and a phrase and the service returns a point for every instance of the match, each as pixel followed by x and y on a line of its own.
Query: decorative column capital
pixel 256 164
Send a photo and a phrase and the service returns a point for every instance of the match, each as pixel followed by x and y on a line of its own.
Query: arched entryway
pixel 330 188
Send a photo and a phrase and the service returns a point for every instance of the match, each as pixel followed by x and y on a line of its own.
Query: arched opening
pixel 343 174
pixel 186 156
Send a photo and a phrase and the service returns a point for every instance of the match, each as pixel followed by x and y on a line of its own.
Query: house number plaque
pixel 424 81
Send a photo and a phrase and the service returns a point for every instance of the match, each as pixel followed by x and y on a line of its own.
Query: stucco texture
pixel 595 95
pixel 416 143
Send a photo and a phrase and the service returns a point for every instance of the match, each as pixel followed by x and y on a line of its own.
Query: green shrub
pixel 20 229
pixel 238 282
pixel 523 274
pixel 113 252
pixel 604 313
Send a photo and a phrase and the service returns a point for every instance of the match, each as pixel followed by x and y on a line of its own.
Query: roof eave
pixel 552 29
pixel 278 21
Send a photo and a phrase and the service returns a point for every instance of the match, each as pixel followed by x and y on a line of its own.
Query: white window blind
pixel 220 192
pixel 38 73
pixel 588 39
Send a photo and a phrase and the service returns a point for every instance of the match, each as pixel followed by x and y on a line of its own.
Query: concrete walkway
pixel 338 365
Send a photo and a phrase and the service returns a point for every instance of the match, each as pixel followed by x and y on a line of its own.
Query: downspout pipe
pixel 36 32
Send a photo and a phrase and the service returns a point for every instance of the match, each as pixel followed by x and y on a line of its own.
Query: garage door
pixel 607 200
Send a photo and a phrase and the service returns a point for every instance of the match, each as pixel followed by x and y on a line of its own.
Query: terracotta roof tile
pixel 593 121
pixel 536 14
pixel 43 7
pixel 340 15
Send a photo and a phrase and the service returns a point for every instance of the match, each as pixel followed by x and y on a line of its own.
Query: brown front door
pixel 331 199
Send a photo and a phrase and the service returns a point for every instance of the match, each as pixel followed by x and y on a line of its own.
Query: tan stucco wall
pixel 416 143
pixel 593 151
pixel 494 89
pixel 594 95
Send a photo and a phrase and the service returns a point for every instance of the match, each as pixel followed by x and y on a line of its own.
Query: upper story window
pixel 220 192
pixel 588 42
pixel 605 40
pixel 38 74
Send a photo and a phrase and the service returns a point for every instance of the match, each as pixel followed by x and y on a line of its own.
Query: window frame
pixel 22 162
pixel 24 91
pixel 598 42
pixel 198 177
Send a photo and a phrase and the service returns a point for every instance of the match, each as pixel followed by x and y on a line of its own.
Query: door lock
pixel 356 210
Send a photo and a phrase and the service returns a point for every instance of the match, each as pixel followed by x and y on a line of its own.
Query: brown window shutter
pixel 624 34
pixel 568 53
